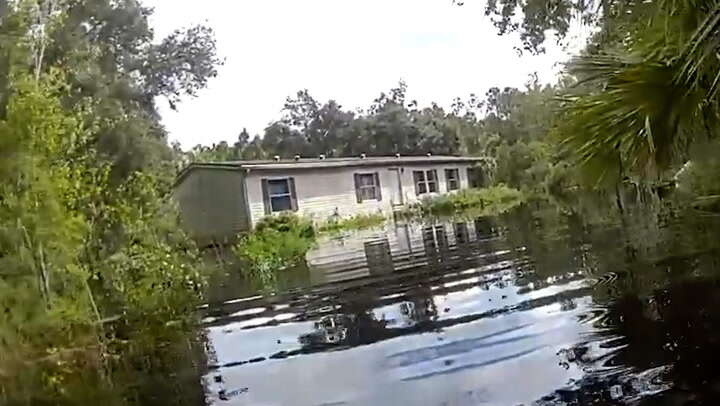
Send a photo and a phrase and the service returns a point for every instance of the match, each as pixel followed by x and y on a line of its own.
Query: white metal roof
pixel 318 163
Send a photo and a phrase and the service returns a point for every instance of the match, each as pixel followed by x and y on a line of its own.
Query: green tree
pixel 98 284
pixel 642 103
pixel 533 20
pixel 110 55
pixel 242 142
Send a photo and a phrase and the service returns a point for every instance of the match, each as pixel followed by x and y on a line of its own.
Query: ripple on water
pixel 448 315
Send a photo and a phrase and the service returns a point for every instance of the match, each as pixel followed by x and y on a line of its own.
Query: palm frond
pixel 639 119
pixel 699 58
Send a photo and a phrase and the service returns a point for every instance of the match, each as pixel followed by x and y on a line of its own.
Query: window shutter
pixel 378 189
pixel 266 196
pixel 293 195
pixel 416 179
pixel 447 180
pixel 357 188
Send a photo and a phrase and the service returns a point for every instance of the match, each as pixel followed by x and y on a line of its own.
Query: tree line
pixel 637 107
pixel 510 126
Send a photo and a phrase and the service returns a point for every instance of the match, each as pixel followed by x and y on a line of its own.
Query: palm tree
pixel 641 101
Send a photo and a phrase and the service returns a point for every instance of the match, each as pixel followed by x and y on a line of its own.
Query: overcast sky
pixel 347 50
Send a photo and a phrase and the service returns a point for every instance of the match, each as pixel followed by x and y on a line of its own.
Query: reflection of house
pixel 396 248
pixel 379 256
pixel 218 200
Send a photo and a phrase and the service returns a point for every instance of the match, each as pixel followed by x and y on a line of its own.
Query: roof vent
pixel 363 156
pixel 322 157
pixel 397 155
pixel 297 158
pixel 276 158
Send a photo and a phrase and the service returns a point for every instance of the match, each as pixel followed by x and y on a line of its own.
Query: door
pixel 395 185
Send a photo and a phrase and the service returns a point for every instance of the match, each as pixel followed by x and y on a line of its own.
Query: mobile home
pixel 219 200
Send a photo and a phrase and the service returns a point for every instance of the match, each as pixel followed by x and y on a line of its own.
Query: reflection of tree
pixel 567 304
pixel 328 330
pixel 420 307
pixel 169 373
pixel 670 341
pixel 354 323
pixel 661 328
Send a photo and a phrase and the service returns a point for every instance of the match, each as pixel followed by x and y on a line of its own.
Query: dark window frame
pixel 362 188
pixel 452 183
pixel 269 198
pixel 426 181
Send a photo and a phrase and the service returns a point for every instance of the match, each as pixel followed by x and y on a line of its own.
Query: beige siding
pixel 409 182
pixel 212 204
pixel 321 193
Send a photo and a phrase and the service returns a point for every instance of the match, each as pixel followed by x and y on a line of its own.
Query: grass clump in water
pixel 357 222
pixel 492 200
pixel 278 242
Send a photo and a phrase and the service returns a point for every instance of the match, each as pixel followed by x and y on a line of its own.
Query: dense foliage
pixel 640 104
pixel 645 99
pixel 98 285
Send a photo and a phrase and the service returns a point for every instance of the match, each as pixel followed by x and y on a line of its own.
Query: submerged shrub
pixel 492 200
pixel 286 222
pixel 356 222
pixel 277 242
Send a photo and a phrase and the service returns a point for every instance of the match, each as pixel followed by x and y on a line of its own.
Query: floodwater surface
pixel 536 307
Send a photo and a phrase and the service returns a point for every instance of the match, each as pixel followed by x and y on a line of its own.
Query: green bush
pixel 277 242
pixel 286 222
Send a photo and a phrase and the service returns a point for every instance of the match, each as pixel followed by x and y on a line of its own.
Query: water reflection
pixel 537 307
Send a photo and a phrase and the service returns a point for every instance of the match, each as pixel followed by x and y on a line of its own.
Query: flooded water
pixel 531 308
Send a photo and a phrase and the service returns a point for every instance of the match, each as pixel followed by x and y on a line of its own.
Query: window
pixel 420 185
pixel 452 178
pixel 367 186
pixel 425 181
pixel 432 181
pixel 279 195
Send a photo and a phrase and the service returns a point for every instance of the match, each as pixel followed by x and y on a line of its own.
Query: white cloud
pixel 346 50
